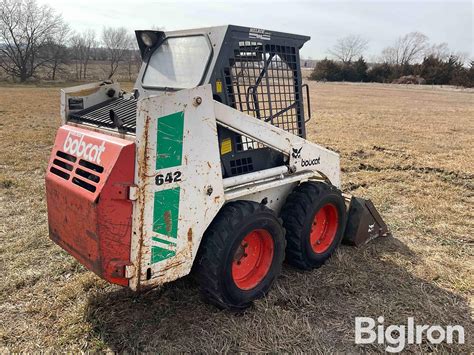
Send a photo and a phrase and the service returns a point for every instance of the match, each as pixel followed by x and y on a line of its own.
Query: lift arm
pixel 303 155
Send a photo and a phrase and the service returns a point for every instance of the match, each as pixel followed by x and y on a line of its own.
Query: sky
pixel 381 22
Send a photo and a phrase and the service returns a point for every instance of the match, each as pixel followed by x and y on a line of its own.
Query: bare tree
pixel 76 45
pixel 133 59
pixel 440 51
pixel 348 48
pixel 463 58
pixel 117 42
pixel 406 49
pixel 389 55
pixel 25 27
pixel 82 46
pixel 55 51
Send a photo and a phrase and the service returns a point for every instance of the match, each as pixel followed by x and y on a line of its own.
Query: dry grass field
pixel 408 149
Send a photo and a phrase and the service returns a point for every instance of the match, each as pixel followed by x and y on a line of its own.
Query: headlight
pixel 149 38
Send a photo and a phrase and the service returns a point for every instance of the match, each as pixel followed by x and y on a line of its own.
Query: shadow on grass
pixel 306 311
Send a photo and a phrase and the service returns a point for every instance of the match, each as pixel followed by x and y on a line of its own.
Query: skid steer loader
pixel 204 166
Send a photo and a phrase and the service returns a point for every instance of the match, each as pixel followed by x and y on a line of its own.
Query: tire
pixel 240 256
pixel 309 243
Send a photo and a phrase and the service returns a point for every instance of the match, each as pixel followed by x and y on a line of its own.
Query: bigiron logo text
pixel 396 337
pixel 75 145
pixel 309 162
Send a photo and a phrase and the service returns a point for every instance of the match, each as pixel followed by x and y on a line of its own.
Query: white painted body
pixel 203 191
pixel 90 94
pixel 201 169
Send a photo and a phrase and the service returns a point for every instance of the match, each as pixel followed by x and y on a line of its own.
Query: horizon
pixel 442 21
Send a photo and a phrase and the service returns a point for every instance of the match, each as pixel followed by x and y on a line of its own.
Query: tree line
pixel 36 42
pixel 411 60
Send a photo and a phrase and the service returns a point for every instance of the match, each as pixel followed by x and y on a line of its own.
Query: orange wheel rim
pixel 324 228
pixel 252 259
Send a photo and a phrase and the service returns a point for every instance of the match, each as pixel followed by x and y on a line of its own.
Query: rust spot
pixel 209 164
pixel 190 235
pixel 170 267
pixel 167 218
pixel 142 172
pixel 85 92
pixel 216 199
pixel 92 235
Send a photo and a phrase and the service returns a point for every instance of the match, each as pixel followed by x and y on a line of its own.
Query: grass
pixel 408 149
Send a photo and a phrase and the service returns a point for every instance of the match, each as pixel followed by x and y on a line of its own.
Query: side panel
pixel 76 98
pixel 275 196
pixel 179 183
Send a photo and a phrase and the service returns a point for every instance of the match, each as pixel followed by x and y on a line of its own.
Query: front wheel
pixel 314 216
pixel 241 255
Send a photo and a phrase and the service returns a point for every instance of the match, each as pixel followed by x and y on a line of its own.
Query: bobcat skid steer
pixel 204 166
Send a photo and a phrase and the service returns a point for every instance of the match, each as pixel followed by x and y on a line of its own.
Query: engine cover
pixel 89 213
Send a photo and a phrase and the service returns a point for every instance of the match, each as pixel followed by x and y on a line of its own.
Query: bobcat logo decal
pixel 296 153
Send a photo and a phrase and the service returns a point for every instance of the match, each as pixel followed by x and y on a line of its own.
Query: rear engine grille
pixel 59 173
pixel 83 184
pixel 66 156
pixel 88 175
pixel 84 173
pixel 63 165
pixel 91 166
pixel 100 114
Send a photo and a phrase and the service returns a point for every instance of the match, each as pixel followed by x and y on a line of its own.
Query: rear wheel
pixel 241 255
pixel 314 216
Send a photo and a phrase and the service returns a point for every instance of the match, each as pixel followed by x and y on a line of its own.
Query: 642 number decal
pixel 168 178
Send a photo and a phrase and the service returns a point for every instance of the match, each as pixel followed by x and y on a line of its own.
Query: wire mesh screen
pixel 262 82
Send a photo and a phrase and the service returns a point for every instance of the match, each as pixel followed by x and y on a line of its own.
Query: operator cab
pixel 255 71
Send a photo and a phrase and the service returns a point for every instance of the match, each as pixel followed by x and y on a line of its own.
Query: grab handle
pixel 308 101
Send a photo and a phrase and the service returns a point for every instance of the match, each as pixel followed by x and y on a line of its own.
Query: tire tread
pixel 212 250
pixel 294 214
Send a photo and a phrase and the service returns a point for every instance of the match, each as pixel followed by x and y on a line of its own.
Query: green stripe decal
pixel 169 140
pixel 160 254
pixel 165 222
pixel 169 151
pixel 163 241
pixel 165 212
